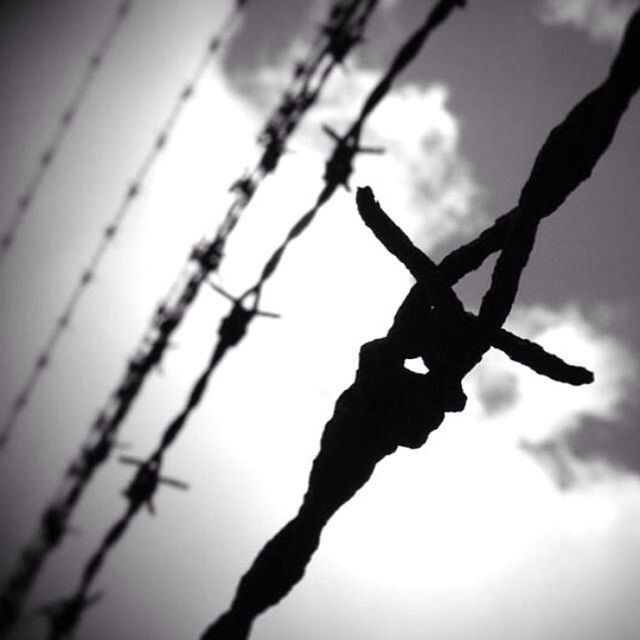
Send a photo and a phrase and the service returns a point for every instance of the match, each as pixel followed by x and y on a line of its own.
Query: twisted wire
pixel 64 124
pixel 566 159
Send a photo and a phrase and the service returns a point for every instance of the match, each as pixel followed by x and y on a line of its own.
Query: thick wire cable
pixel 388 406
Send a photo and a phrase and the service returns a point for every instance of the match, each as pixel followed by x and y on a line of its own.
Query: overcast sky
pixel 519 518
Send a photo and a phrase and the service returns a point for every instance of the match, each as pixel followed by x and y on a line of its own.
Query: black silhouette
pixel 388 406
pixel 350 15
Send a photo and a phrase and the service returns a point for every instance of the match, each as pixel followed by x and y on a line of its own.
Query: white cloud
pixel 423 177
pixel 602 20
pixel 578 337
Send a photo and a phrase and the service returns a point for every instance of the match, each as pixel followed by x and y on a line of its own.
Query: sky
pixel 519 518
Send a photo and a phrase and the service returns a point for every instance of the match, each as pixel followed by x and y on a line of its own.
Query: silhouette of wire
pixel 388 406
pixel 343 29
pixel 106 238
pixel 62 128
pixel 232 330
pixel 567 159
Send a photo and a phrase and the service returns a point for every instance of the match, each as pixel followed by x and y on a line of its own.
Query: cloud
pixel 497 392
pixel 581 337
pixel 591 451
pixel 612 444
pixel 423 176
pixel 575 434
pixel 426 168
pixel 601 20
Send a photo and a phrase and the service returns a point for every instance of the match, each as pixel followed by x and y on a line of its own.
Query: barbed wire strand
pixel 338 35
pixel 388 406
pixel 87 276
pixel 25 202
pixel 52 525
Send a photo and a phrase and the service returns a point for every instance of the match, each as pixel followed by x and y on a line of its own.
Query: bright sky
pixel 471 536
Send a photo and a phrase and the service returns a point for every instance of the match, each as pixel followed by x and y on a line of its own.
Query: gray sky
pixel 470 536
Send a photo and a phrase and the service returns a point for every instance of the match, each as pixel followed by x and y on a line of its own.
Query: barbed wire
pixel 64 124
pixel 566 160
pixel 388 406
pixel 130 195
pixel 53 523
pixel 342 30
